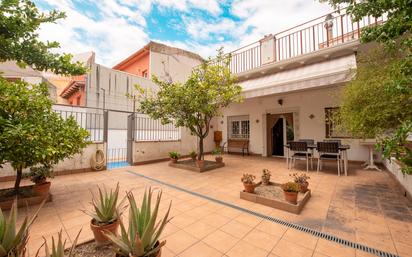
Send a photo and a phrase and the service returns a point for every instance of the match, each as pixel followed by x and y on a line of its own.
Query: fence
pixel 90 119
pixel 323 32
pixel 147 129
pixel 116 154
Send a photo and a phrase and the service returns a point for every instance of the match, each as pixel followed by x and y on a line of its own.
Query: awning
pixel 307 77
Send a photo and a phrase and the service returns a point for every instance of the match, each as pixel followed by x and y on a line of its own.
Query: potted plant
pixel 266 177
pixel 38 175
pixel 301 180
pixel 291 190
pixel 174 156
pixel 217 152
pixel 13 241
pixel 105 215
pixel 248 182
pixel 142 236
pixel 58 249
pixel 193 155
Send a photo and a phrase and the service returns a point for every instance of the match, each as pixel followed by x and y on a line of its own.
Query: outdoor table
pixel 343 148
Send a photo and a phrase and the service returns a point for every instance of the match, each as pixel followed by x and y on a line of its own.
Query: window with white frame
pixel 238 127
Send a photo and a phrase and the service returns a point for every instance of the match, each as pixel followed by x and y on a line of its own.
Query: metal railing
pixel 148 129
pixel 326 31
pixel 116 155
pixel 88 118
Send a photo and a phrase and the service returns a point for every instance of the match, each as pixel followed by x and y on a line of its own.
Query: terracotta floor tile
pixel 248 219
pixel 220 241
pixel 261 239
pixel 183 220
pixel 215 220
pixel 236 229
pixel 199 229
pixel 200 249
pixel 272 228
pixel 301 238
pixel 334 249
pixel 288 249
pixel 179 241
pixel 243 249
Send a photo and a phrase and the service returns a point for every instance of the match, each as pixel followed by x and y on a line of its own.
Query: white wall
pixel 147 151
pixel 404 179
pixel 79 161
pixel 178 66
pixel 303 104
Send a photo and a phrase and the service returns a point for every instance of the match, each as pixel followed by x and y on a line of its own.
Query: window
pixel 332 123
pixel 144 74
pixel 239 127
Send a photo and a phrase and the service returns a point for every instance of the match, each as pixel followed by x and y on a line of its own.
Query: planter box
pixel 261 196
pixel 191 165
pixel 26 201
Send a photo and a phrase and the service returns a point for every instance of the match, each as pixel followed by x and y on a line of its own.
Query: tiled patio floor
pixel 364 207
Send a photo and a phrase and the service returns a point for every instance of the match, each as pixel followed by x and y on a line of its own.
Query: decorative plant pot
pixel 172 160
pixel 265 181
pixel 99 236
pixel 42 189
pixel 304 187
pixel 291 197
pixel 200 163
pixel 219 159
pixel 249 188
pixel 159 254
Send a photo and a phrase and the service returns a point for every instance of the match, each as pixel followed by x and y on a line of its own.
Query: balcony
pixel 318 35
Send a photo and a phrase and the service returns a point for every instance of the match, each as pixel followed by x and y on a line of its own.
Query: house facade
pixel 291 83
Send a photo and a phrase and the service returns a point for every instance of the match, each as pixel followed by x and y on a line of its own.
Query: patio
pixel 365 207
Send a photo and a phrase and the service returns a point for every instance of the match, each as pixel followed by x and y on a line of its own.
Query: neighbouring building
pixel 12 72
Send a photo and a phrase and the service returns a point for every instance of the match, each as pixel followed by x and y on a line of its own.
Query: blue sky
pixel 115 29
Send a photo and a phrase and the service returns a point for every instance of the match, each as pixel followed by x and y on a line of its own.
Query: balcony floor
pixel 366 207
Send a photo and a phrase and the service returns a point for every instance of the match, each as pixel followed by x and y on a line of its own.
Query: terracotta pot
pixel 172 160
pixel 291 197
pixel 99 237
pixel 42 189
pixel 200 164
pixel 249 188
pixel 219 159
pixel 159 254
pixel 304 187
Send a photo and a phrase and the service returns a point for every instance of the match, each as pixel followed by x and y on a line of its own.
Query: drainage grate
pixel 278 221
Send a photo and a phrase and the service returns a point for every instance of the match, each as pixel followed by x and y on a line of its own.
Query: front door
pixel 277 138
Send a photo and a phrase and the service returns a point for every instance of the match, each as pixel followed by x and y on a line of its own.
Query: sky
pixel 114 29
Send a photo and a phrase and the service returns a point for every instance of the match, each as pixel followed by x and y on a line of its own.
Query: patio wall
pixel 79 163
pixel 147 151
pixel 303 104
pixel 403 179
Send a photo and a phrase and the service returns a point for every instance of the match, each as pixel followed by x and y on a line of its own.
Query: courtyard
pixel 209 219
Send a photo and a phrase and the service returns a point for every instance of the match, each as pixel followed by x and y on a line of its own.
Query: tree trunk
pixel 18 179
pixel 200 156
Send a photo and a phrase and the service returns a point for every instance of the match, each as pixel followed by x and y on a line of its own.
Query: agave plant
pixel 106 209
pixel 58 249
pixel 141 239
pixel 13 244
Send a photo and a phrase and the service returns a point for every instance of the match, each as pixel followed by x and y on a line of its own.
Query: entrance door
pixel 277 138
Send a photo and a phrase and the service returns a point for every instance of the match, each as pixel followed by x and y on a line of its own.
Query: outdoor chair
pixel 300 152
pixel 329 151
pixel 309 141
pixel 334 140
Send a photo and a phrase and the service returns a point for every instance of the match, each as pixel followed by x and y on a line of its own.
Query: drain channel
pixel 311 231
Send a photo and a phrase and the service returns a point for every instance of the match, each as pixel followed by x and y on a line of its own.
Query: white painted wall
pixel 304 104
pixel 404 179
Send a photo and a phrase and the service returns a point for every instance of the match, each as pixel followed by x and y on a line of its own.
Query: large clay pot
pixel 219 159
pixel 303 187
pixel 200 163
pixel 249 188
pixel 291 197
pixel 99 237
pixel 42 188
pixel 172 160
